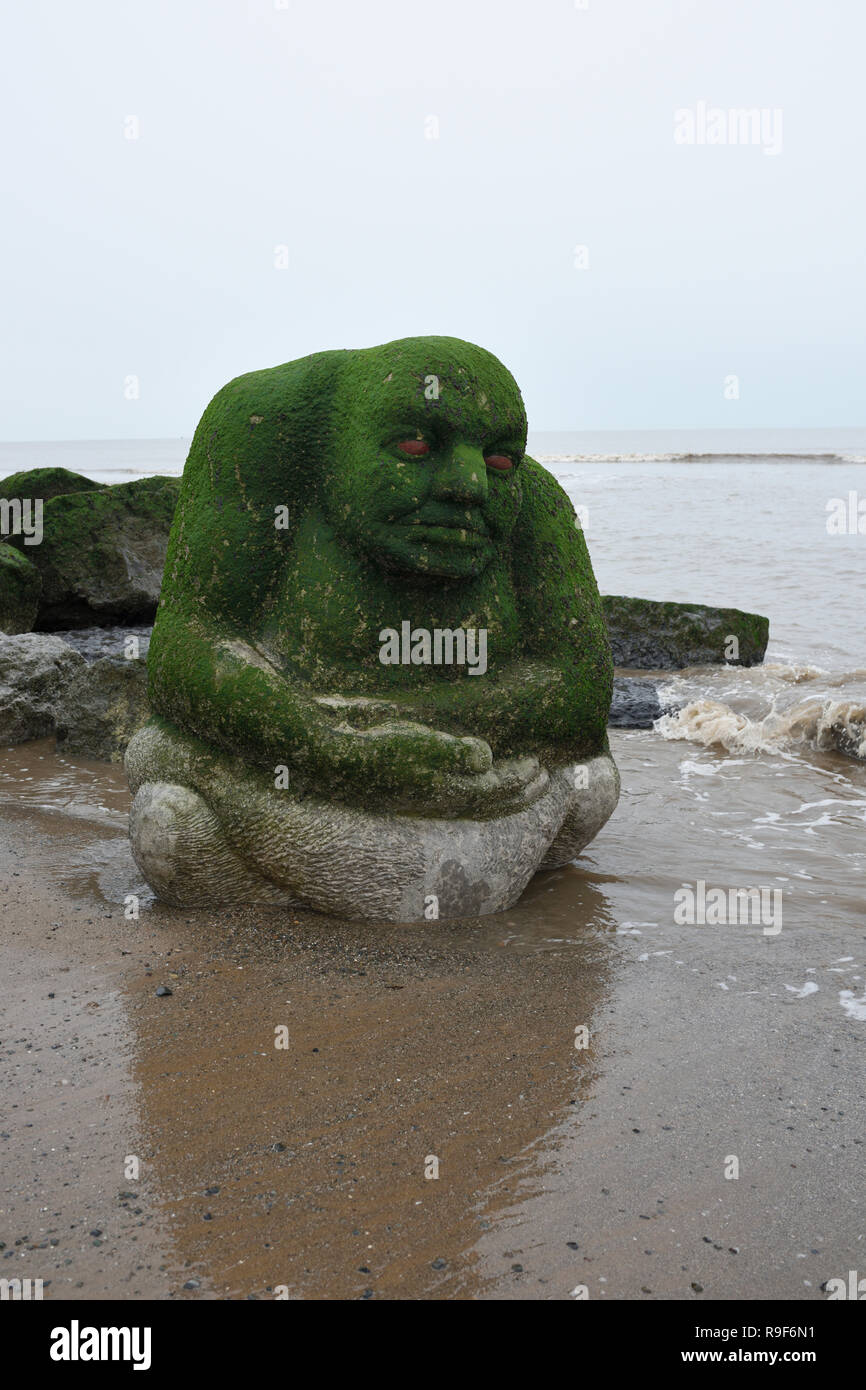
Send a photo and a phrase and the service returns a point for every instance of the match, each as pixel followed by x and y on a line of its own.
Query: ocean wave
pixel 767 457
pixel 830 726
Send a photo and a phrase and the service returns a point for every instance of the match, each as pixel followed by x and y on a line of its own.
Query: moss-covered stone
pixel 365 549
pixel 102 553
pixel 20 586
pixel 46 483
pixel 648 635
pixel 333 499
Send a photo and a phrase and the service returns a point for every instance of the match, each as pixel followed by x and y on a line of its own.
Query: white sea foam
pixel 854 1008
pixel 673 456
pixel 803 991
pixel 827 725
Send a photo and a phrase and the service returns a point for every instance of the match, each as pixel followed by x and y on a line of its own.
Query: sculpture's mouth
pixel 447 535
pixel 446 525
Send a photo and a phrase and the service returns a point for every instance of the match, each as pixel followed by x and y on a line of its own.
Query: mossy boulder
pixel 20 587
pixel 102 553
pixel 648 635
pixel 46 483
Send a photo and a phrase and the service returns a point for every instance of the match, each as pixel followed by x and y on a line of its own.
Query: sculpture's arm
pixel 505 706
pixel 562 619
pixel 220 688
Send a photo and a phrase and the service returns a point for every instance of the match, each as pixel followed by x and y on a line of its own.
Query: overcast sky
pixel 316 175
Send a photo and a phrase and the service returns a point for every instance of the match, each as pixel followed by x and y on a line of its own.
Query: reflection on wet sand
pixel 449 1048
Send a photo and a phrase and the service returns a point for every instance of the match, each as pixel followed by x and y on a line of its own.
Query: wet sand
pixel 301 1169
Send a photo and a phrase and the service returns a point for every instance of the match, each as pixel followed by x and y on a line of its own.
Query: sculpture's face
pixel 427 477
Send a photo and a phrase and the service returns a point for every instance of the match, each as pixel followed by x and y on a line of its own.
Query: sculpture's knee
pixel 595 794
pixel 178 844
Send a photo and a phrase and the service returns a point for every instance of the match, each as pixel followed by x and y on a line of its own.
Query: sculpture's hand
pixel 505 788
pixel 425 768
pixel 398 753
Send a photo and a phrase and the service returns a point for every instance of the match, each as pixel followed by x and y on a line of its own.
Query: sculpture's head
pixel 429 441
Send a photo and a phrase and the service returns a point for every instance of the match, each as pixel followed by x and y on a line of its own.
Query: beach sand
pixel 301 1169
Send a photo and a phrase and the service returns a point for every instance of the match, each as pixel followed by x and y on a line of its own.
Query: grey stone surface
pixel 101 706
pixel 110 642
pixel 205 829
pixel 34 669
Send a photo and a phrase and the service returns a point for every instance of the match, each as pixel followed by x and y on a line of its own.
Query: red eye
pixel 414 447
pixel 500 462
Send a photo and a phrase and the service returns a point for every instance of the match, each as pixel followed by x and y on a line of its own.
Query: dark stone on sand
pixel 163 991
pixel 651 636
pixel 635 704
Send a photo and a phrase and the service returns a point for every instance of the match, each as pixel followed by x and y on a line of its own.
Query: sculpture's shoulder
pixel 549 524
pixel 287 405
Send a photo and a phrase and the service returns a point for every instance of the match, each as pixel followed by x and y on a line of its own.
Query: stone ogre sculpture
pixel 346 522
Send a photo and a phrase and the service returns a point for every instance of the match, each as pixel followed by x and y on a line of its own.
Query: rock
pixel 20 586
pixel 100 708
pixel 34 670
pixel 331 510
pixel 47 687
pixel 163 992
pixel 635 703
pixel 46 483
pixel 102 554
pixel 115 643
pixel 647 635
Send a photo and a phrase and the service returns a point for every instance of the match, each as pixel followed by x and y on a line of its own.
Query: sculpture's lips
pixel 446 535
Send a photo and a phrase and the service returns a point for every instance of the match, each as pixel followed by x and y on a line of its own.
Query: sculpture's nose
pixel 461 476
